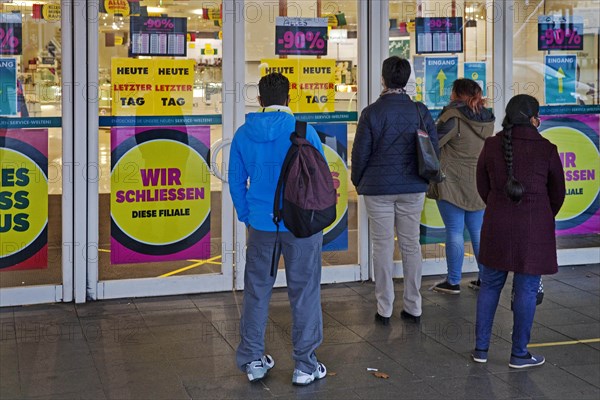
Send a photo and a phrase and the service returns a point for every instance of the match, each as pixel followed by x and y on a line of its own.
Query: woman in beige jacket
pixel 462 129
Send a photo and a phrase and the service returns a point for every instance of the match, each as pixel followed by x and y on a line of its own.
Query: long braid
pixel 513 188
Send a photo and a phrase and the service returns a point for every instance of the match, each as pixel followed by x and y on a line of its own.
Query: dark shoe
pixel 526 361
pixel 382 320
pixel 447 287
pixel 479 356
pixel 409 317
pixel 475 285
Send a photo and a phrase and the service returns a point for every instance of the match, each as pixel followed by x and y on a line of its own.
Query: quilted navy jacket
pixel 384 154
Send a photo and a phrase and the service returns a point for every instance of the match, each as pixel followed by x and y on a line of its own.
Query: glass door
pixel 444 40
pixel 555 58
pixel 162 222
pixel 316 45
pixel 36 263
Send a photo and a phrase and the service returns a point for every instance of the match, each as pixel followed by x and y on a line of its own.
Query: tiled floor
pixel 183 347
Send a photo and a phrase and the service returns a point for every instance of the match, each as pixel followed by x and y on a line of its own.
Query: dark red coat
pixel 520 237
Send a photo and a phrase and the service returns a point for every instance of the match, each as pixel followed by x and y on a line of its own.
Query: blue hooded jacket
pixel 257 152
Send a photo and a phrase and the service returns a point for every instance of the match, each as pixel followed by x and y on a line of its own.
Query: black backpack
pixel 309 197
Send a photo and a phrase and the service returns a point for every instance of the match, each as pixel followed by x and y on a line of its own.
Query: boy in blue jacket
pixel 257 153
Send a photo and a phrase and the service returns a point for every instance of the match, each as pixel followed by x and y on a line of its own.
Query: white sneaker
pixel 302 378
pixel 256 370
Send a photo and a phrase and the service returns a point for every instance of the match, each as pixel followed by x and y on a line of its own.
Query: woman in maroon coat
pixel 521 180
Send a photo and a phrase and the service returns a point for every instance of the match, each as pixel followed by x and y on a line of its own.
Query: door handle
pixel 217 146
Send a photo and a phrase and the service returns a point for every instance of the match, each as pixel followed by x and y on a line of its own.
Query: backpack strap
pixel 300 129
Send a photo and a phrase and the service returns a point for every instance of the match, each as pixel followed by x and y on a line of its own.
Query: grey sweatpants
pixel 402 211
pixel 302 259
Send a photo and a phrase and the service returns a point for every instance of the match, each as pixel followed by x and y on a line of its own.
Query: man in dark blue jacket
pixel 385 172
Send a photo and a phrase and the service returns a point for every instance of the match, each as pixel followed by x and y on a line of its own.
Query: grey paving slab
pixel 216 299
pixel 37 358
pixel 350 353
pixel 142 381
pixel 229 387
pixel 475 387
pixel 564 356
pixel 53 382
pixel 206 368
pixel 164 303
pixel 122 353
pixel 562 317
pixel 324 395
pixel 8 331
pixel 106 307
pixel 429 359
pixel 47 330
pixel 184 347
pixel 206 346
pixel 592 311
pixel 85 395
pixel 222 313
pixel 116 332
pixel 177 316
pixel 544 334
pixel 580 331
pixel 550 382
pixel 179 333
pixel 396 330
pixel 9 372
pixel 406 390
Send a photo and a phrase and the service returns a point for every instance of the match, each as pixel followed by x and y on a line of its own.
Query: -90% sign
pixel 440 23
pixel 559 36
pixel 159 23
pixel 301 40
pixel 8 42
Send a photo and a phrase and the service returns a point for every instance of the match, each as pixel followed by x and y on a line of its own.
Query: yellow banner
pixel 152 87
pixel 117 7
pixel 312 82
pixel 51 12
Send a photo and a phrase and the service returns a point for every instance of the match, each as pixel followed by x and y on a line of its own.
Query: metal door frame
pixel 63 292
pixel 87 285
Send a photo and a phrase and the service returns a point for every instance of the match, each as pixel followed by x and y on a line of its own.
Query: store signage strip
pixel 214 119
pixel 574 109
pixel 45 122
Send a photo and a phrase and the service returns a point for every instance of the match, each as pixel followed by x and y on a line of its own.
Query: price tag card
pixel 560 33
pixel 439 35
pixel 158 36
pixel 301 36
pixel 10 34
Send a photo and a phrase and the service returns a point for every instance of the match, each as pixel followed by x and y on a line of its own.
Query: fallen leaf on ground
pixel 381 375
pixel 331 373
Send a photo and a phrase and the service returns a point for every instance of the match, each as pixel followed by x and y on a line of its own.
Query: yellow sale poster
pixel 312 82
pixel 152 87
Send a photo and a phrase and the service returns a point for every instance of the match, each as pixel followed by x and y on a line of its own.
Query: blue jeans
pixel 455 219
pixel 526 288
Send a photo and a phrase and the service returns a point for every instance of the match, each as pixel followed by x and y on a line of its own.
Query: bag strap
pixel 421 123
pixel 300 129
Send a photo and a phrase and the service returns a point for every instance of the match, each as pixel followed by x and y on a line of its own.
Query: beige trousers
pixel 402 211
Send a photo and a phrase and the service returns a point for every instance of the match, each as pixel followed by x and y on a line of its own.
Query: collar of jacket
pixel 402 96
pixel 527 132
pixel 275 108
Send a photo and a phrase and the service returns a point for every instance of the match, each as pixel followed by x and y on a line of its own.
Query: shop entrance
pixel 161 220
